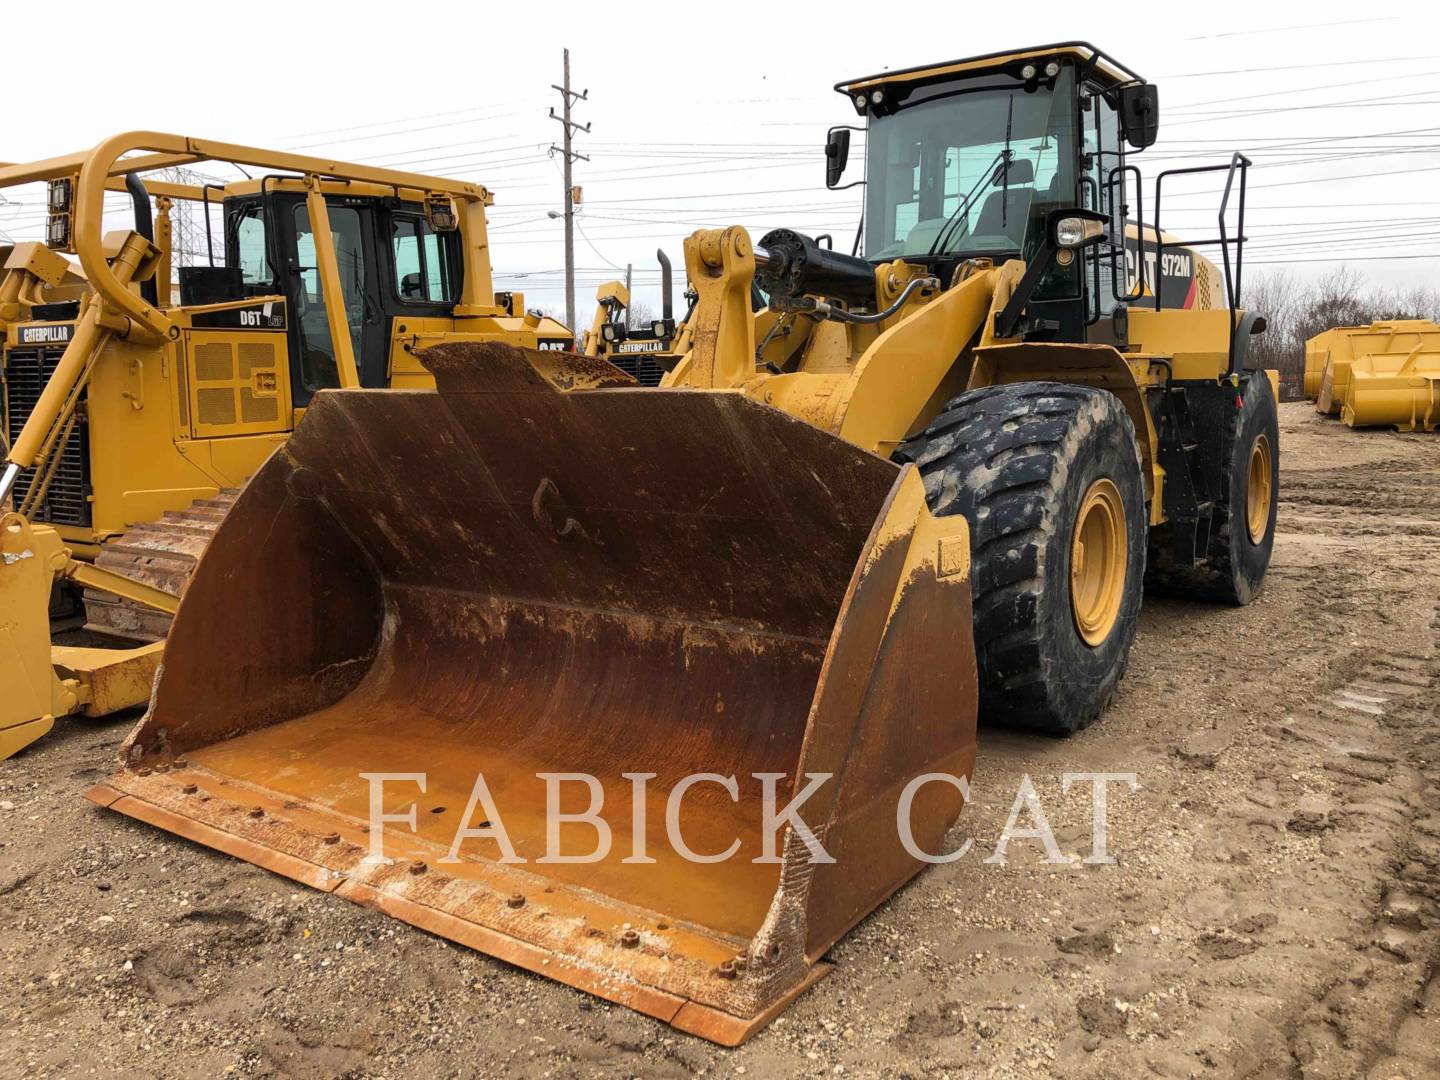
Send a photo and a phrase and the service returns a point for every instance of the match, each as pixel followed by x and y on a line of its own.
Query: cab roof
pixel 1106 68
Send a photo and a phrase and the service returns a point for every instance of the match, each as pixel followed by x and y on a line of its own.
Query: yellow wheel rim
pixel 1258 490
pixel 1098 557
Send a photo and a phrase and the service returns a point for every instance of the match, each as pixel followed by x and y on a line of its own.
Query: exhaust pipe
pixel 667 304
pixel 145 226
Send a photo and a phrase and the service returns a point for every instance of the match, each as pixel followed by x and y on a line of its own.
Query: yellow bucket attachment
pixel 1399 390
pixel 541 569
pixel 1398 359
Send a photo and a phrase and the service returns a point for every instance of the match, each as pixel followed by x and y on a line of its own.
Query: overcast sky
pixel 707 116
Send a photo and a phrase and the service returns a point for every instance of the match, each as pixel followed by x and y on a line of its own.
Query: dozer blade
pixel 541 569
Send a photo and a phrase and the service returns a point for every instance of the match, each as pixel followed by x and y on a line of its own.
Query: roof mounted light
pixel 1052 69
pixel 1028 72
pixel 57 232
pixel 440 212
pixel 860 102
pixel 59 195
pixel 877 97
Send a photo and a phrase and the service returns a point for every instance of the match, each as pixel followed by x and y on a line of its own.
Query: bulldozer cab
pixel 312 275
pixel 392 264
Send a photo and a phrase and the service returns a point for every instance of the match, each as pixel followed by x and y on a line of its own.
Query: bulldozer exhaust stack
pixel 541 569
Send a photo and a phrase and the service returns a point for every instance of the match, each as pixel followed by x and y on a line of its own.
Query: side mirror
pixel 410 286
pixel 1140 113
pixel 837 153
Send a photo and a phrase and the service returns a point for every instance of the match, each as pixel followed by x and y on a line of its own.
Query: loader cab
pixel 977 159
pixel 392 265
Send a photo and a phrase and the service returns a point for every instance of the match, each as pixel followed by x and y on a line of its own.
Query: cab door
pixel 313 361
pixel 1111 274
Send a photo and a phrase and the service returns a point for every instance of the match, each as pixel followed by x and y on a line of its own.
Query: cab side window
pixel 251 256
pixel 424 273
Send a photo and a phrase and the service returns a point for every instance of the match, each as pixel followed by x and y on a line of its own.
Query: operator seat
pixel 1002 208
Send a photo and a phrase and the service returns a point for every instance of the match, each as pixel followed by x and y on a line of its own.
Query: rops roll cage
pixel 106 166
pixel 113 165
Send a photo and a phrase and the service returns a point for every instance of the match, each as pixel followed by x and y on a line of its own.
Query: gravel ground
pixel 1272 910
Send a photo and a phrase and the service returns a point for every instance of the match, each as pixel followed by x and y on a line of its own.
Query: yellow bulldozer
pixel 1386 374
pixel 131 419
pixel 660 691
pixel 645 353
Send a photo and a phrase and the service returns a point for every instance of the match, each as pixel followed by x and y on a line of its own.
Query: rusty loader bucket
pixel 541 569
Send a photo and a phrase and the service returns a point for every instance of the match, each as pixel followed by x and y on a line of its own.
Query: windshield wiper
pixel 987 174
pixel 1005 180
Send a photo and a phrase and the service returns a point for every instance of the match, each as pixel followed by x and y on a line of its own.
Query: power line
pixel 1298 67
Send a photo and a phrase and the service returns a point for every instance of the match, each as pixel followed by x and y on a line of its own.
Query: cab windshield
pixel 970 172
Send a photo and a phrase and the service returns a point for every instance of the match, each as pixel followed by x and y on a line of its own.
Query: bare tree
pixel 639 316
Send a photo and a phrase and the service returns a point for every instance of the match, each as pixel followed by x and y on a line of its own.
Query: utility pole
pixel 568 97
pixel 628 295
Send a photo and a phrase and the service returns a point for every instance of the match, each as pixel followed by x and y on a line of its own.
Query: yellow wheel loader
pixel 1386 374
pixel 659 691
pixel 131 420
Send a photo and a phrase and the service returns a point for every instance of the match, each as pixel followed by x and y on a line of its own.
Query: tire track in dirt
pixel 1386 498
pixel 1382 1019
pixel 1378 1016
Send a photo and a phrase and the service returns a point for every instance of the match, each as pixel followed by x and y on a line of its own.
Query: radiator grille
pixel 643 369
pixel 67 501
pixel 1202 284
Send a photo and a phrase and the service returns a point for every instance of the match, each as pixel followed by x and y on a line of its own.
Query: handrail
pixel 1232 286
pixel 1140 268
pixel 1238 162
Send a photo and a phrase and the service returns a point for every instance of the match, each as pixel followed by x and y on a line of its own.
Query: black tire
pixel 1017 461
pixel 1235 561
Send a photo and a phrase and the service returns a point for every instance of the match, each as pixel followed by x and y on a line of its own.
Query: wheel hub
pixel 1098 558
pixel 1258 490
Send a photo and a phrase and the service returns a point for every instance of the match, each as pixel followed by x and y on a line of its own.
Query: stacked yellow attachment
pixel 1384 374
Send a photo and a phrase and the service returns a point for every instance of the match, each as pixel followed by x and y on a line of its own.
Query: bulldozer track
pixel 159 553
